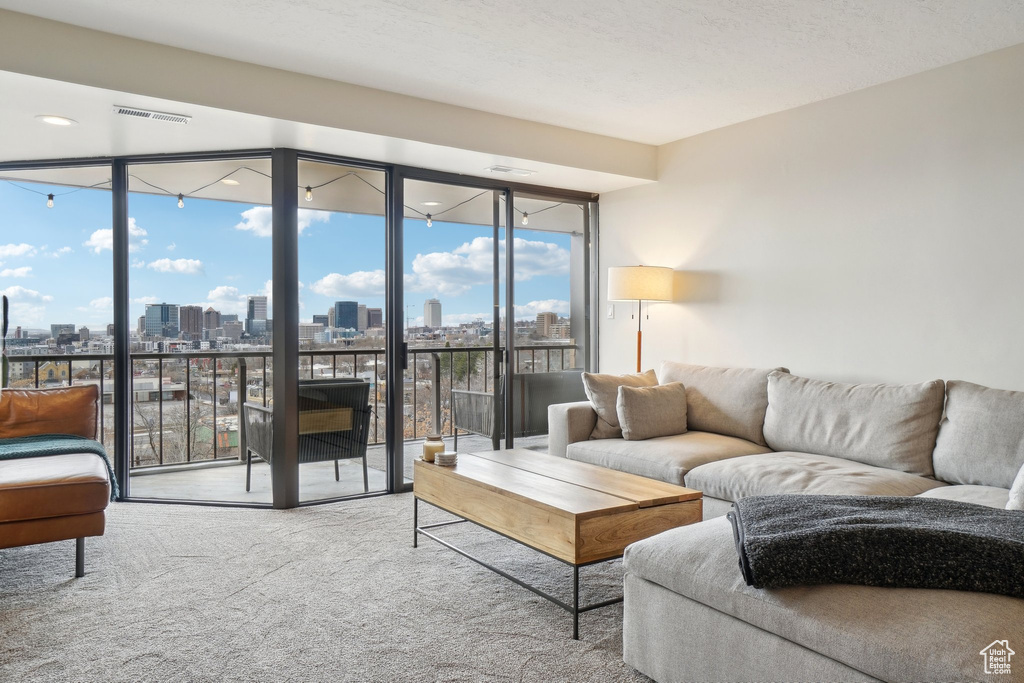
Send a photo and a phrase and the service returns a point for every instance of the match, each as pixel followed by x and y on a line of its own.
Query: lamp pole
pixel 639 333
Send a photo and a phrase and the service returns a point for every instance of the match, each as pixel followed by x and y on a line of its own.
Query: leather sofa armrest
pixel 569 423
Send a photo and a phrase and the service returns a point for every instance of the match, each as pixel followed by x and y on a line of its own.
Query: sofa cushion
pixel 886 425
pixel 647 412
pixel 926 632
pixel 992 496
pixel 64 410
pixel 729 401
pixel 1015 497
pixel 667 458
pixel 53 486
pixel 788 472
pixel 981 439
pixel 603 392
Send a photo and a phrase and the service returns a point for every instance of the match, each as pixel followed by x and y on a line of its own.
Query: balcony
pixel 186 443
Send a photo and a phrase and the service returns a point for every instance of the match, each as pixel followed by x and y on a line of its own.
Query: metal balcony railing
pixel 185 405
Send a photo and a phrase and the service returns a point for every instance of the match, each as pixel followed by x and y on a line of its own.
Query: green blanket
pixel 56 444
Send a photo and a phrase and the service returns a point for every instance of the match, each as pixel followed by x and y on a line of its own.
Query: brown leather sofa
pixel 53 497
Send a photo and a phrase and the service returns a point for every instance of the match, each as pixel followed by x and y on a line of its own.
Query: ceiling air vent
pixel 510 170
pixel 149 114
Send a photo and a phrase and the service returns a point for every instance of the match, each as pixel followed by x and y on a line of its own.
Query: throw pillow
pixel 647 412
pixel 1016 501
pixel 603 391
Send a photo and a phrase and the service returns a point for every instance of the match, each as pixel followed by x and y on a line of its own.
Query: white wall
pixel 876 236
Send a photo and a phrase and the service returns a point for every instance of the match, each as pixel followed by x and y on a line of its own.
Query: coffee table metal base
pixel 574 609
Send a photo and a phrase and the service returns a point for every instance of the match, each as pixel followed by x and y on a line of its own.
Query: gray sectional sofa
pixel 689 615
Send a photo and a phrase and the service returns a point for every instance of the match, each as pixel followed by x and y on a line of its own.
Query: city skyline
pixel 55 264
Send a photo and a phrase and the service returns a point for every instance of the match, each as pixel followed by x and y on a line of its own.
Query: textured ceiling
pixel 646 70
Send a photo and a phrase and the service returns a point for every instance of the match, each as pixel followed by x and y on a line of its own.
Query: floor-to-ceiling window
pixel 430 291
pixel 201 339
pixel 342 235
pixel 56 270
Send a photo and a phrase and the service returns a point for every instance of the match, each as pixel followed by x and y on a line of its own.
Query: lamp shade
pixel 647 283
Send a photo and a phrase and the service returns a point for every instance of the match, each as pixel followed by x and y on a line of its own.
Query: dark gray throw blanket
pixel 56 444
pixel 792 540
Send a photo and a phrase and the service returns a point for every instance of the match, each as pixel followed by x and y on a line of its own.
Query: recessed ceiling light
pixel 431 203
pixel 230 181
pixel 55 120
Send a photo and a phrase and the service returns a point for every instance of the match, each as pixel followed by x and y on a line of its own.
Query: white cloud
pixel 530 310
pixel 9 250
pixel 455 272
pixel 172 246
pixel 360 284
pixel 21 294
pixel 226 299
pixel 184 266
pixel 138 263
pixel 104 238
pixel 259 220
pixel 24 271
pixel 145 300
pixel 57 253
pixel 104 304
pixel 27 306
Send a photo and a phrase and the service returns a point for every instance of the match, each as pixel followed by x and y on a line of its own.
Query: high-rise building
pixel 432 313
pixel 110 330
pixel 233 329
pixel 346 315
pixel 309 331
pixel 544 323
pixel 256 316
pixel 142 326
pixel 256 308
pixel 83 333
pixel 330 318
pixel 361 318
pixel 162 320
pixel 374 318
pixel 228 318
pixel 61 328
pixel 211 318
pixel 322 320
pixel 190 321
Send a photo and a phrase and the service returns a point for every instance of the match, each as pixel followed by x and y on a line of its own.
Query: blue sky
pixel 55 264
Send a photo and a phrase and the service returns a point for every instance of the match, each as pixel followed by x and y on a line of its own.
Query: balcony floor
pixel 225 481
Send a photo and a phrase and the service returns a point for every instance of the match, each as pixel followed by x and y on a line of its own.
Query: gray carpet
pixel 328 593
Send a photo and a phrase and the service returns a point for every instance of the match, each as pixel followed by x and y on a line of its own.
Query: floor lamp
pixel 640 284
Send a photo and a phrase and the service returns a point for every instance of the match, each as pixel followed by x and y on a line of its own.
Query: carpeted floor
pixel 327 593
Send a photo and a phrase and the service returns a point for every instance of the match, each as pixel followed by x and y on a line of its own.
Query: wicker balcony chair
pixel 334 424
pixel 473 411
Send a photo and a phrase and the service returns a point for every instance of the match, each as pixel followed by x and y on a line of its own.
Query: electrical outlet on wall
pixel 611 311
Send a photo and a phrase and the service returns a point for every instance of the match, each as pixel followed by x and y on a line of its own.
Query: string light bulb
pixel 526 218
pixel 309 193
pixel 181 201
pixel 49 201
pixel 430 222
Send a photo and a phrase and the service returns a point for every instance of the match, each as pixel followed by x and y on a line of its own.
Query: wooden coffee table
pixel 574 512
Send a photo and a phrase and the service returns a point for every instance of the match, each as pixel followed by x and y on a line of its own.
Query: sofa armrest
pixel 569 423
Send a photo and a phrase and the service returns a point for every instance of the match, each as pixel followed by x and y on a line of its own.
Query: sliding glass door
pixel 551 311
pixel 453 275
